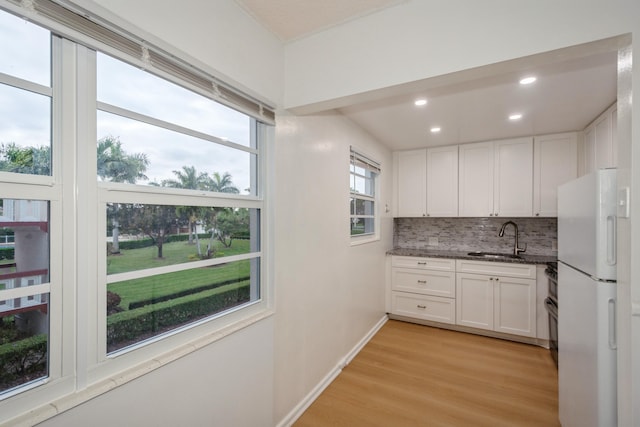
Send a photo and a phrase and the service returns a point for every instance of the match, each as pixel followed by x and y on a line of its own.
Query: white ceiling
pixel 574 85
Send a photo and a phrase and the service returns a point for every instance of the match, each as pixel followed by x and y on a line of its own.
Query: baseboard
pixel 302 406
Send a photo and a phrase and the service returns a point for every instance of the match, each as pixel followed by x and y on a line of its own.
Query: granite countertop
pixel 433 253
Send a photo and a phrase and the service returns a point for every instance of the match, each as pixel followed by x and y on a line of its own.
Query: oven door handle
pixel 551 306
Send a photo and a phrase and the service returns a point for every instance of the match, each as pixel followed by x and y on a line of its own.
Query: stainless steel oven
pixel 551 303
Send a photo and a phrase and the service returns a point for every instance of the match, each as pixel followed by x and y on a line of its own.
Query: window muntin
pixel 26 50
pixel 24 297
pixel 362 175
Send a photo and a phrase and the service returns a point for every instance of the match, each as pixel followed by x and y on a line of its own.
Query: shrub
pixel 185 292
pixel 22 359
pixel 113 303
pixel 7 253
pixel 131 326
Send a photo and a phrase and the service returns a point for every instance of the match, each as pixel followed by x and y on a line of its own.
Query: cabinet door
pixel 604 152
pixel 514 306
pixel 513 177
pixel 474 301
pixel 442 181
pixel 589 149
pixel 555 162
pixel 476 180
pixel 412 183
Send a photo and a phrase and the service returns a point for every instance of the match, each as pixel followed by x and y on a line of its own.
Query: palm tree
pixel 116 165
pixel 221 183
pixel 189 178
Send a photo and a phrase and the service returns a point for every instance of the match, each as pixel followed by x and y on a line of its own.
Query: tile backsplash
pixel 476 234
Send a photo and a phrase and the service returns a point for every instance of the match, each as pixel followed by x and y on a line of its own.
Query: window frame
pixel 78 368
pixel 358 158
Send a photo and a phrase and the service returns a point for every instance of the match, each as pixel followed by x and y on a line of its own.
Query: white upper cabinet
pixel 513 178
pixel 600 141
pixel 411 185
pixel 442 181
pixel 476 179
pixel 496 178
pixel 555 162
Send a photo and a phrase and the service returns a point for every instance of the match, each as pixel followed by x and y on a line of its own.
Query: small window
pixel 363 177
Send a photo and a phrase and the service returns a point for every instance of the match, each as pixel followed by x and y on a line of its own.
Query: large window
pixel 167 263
pixel 132 205
pixel 363 174
pixel 26 188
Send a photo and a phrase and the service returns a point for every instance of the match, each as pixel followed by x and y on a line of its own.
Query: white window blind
pixel 76 24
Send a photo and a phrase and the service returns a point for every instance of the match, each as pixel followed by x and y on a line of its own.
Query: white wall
pixel 417 39
pixel 228 383
pixel 328 294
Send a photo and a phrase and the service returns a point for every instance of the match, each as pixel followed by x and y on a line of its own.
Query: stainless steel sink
pixel 494 255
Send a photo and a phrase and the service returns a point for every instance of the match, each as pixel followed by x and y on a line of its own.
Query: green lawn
pixel 161 285
pixel 173 253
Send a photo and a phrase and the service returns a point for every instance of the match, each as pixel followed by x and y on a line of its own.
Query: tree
pixel 189 178
pixel 31 160
pixel 221 183
pixel 155 221
pixel 116 165
pixel 231 222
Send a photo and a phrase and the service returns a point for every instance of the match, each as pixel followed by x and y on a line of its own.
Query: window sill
pixel 357 241
pixel 69 401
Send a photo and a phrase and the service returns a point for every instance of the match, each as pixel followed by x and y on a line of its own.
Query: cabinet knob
pixel 490 214
pixel 495 214
pixel 537 213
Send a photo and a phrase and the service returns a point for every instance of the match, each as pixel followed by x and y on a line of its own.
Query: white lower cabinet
pixel 423 288
pixel 500 297
pixel 494 296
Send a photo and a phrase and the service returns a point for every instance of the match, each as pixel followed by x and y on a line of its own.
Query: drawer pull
pixel 422 263
pixel 422 281
pixel 421 306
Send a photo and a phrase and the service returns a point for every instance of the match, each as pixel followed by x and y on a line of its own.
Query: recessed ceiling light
pixel 420 102
pixel 517 116
pixel 435 129
pixel 528 80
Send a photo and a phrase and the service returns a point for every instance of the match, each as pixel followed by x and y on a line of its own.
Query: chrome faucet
pixel 516 249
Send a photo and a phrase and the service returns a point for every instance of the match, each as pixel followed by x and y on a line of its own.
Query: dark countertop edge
pixel 430 253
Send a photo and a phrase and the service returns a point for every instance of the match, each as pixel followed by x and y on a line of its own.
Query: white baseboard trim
pixel 302 406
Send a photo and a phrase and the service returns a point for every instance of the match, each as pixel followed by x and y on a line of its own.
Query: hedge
pixel 185 292
pixel 128 327
pixel 7 253
pixel 22 359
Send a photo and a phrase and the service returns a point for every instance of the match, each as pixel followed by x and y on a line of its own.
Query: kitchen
pixel 306 340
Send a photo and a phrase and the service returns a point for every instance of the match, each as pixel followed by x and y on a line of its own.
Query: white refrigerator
pixel 587 301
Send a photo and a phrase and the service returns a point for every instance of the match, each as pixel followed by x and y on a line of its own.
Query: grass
pixel 173 253
pixel 161 285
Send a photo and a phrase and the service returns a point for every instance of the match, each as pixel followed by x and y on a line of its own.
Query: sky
pixel 25 116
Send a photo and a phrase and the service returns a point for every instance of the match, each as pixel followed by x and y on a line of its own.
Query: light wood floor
pixel 414 375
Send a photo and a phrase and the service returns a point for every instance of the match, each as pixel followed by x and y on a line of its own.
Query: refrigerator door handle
pixel 611 240
pixel 613 344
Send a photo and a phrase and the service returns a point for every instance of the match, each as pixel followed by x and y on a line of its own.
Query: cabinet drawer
pixel 444 264
pixel 424 307
pixel 438 283
pixel 506 269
